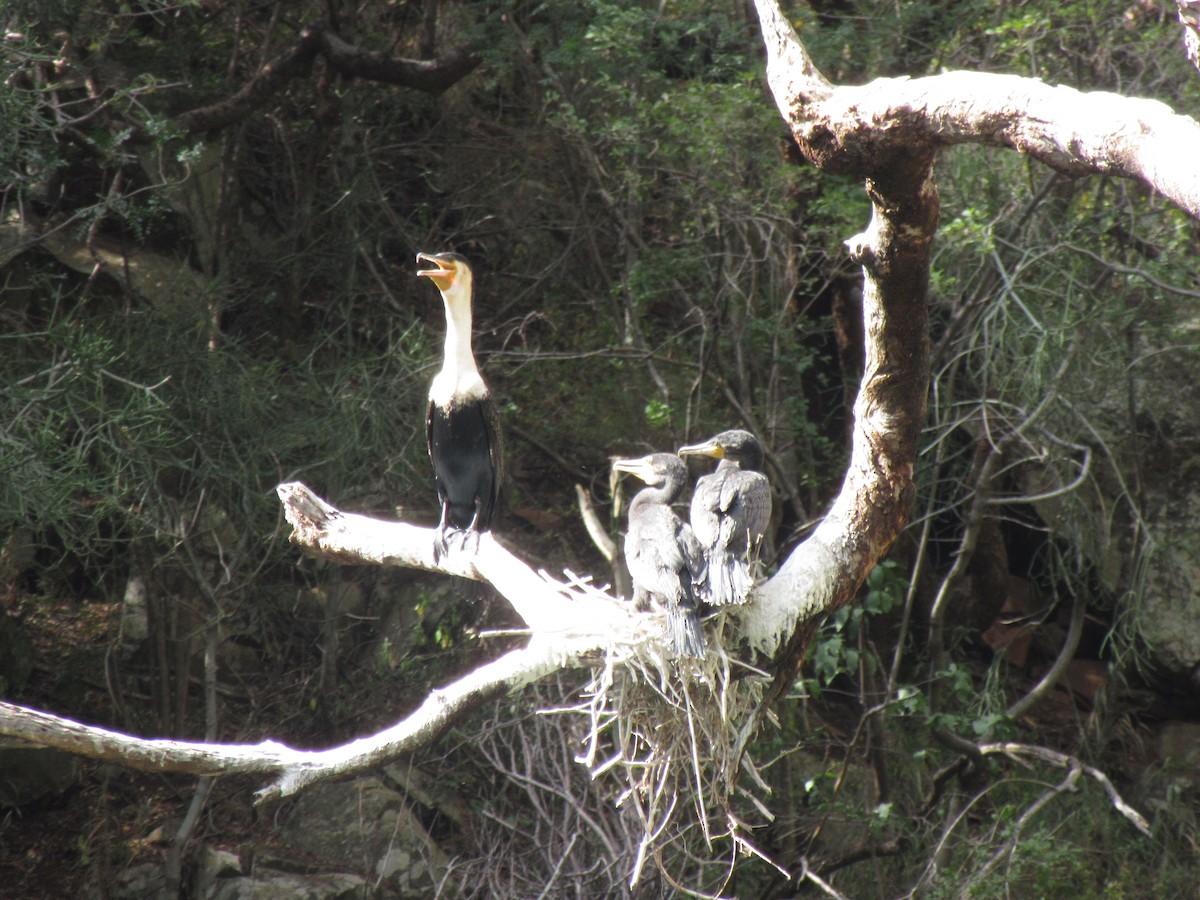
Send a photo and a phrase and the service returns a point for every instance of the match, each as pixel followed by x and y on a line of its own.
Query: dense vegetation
pixel 192 316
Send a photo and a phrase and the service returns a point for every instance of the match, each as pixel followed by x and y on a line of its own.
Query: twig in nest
pixel 670 731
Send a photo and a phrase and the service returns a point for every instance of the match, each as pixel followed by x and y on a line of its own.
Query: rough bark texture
pixel 888 132
pixel 873 506
pixel 1189 18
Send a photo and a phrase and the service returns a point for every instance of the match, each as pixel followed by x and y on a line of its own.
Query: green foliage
pixel 120 430
pixel 839 650
pixel 658 413
pixel 648 259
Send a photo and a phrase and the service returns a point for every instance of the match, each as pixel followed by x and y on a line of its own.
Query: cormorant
pixel 663 555
pixel 461 425
pixel 730 511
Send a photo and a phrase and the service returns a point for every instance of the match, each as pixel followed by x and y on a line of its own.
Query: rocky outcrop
pixel 335 842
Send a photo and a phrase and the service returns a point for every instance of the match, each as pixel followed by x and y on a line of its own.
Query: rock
pixel 365 826
pixel 145 880
pixel 1141 417
pixel 211 866
pixel 335 886
pixel 1170 613
pixel 33 774
pixel 219 876
pixel 1177 747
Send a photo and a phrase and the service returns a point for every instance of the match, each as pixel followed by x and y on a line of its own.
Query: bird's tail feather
pixel 729 580
pixel 685 632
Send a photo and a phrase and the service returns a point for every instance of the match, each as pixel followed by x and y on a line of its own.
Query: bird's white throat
pixel 459 379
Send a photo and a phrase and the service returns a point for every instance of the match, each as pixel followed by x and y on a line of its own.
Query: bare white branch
pixel 1062 760
pixel 295 769
pixel 566 623
pixel 861 129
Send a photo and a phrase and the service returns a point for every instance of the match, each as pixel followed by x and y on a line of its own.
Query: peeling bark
pixel 1189 18
pixel 872 508
pixel 888 132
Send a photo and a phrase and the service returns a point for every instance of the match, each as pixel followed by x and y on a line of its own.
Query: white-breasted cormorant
pixel 664 557
pixel 731 509
pixel 461 425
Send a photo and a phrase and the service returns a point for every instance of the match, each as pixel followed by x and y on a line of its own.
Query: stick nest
pixel 674 732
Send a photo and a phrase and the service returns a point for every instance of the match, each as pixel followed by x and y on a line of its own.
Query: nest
pixel 674 733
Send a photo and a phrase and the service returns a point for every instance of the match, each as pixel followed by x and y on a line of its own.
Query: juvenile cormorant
pixel 461 425
pixel 664 557
pixel 730 511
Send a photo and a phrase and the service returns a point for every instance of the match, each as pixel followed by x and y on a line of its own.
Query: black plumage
pixel 664 557
pixel 461 425
pixel 730 511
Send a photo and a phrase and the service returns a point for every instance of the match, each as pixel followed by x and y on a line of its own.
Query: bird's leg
pixel 473 528
pixel 440 547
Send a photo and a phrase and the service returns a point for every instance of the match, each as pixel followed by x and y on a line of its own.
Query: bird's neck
pixel 663 494
pixel 459 379
pixel 458 329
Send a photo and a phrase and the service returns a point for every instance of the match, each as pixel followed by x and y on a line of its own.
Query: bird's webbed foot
pixel 446 532
pixel 467 534
pixel 473 528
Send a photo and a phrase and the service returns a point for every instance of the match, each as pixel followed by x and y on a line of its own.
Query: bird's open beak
pixel 632 466
pixel 443 271
pixel 708 448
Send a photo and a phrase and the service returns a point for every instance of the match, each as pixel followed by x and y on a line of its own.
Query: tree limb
pixel 1065 761
pixel 862 129
pixel 825 572
pixel 548 608
pixel 294 769
pixel 1189 18
pixel 567 623
pixel 431 76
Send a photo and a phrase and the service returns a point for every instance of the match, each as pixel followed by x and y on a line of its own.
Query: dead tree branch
pixel 430 76
pixel 292 769
pixel 1189 18
pixel 1020 752
pixel 888 132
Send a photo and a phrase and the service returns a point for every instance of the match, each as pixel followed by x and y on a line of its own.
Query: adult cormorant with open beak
pixel 664 558
pixel 731 509
pixel 461 425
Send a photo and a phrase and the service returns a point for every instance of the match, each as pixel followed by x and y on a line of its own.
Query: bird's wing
pixel 653 555
pixel 756 501
pixel 429 444
pixel 705 512
pixel 746 508
pixel 692 551
pixel 495 436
